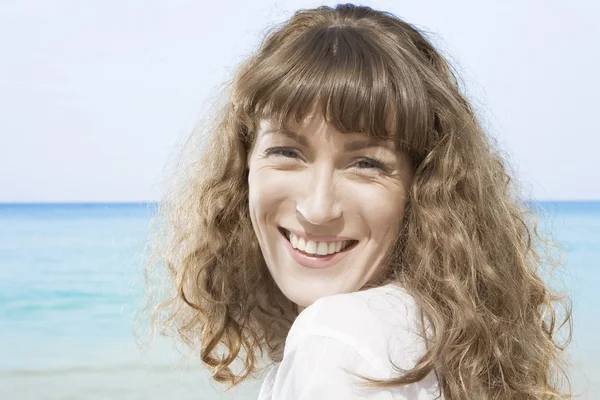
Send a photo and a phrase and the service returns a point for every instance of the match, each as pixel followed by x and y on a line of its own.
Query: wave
pixel 104 369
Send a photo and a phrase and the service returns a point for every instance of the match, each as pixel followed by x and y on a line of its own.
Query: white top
pixel 357 331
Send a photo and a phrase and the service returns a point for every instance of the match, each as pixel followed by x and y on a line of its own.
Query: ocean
pixel 71 283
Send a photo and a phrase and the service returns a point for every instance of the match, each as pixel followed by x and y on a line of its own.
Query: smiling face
pixel 325 206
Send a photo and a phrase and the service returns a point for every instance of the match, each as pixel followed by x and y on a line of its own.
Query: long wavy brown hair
pixel 469 250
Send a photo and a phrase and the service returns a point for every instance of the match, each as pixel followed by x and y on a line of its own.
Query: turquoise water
pixel 68 274
pixel 70 281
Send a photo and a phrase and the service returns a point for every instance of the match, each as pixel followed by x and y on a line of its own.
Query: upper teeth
pixel 313 247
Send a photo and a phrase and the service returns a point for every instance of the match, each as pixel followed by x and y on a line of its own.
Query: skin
pixel 312 181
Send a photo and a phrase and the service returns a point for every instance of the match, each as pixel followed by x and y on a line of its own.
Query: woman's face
pixel 325 206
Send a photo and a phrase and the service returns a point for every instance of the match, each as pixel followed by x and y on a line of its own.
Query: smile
pixel 313 248
pixel 315 253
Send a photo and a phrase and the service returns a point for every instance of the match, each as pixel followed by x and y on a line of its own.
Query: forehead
pixel 313 125
pixel 304 134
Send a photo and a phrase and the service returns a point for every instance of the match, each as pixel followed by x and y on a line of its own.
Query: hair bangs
pixel 346 77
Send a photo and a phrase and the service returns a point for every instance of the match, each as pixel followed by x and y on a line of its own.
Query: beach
pixel 71 284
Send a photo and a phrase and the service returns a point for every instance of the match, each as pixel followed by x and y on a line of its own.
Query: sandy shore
pixel 124 372
pixel 119 383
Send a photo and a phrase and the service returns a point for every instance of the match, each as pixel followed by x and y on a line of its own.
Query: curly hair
pixel 468 251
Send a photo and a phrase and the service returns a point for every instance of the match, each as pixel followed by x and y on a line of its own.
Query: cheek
pixel 382 209
pixel 266 190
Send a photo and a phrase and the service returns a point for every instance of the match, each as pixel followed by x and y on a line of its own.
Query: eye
pixel 286 152
pixel 371 163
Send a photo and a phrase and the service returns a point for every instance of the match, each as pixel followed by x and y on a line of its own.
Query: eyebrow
pixel 363 144
pixel 350 146
pixel 292 135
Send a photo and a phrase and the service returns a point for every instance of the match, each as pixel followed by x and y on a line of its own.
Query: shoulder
pixel 369 333
pixel 373 322
pixel 358 312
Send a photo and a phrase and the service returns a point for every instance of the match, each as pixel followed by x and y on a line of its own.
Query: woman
pixel 349 216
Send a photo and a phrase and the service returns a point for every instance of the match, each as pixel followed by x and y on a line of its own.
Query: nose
pixel 320 203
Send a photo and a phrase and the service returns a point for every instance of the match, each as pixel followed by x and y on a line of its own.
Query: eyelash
pixel 279 151
pixel 376 162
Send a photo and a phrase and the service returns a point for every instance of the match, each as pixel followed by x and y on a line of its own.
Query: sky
pixel 95 97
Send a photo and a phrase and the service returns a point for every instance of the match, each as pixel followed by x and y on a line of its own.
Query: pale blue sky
pixel 94 96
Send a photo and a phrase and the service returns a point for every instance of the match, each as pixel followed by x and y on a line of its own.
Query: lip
pixel 320 262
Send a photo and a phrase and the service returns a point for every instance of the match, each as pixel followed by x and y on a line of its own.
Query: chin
pixel 306 293
pixel 299 297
